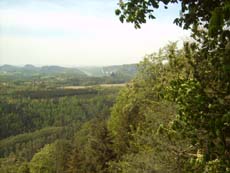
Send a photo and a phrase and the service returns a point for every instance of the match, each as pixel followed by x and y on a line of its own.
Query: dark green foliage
pixel 141 114
pixel 203 107
pixel 179 110
pixel 52 158
pixel 22 114
pixel 10 164
pixel 62 154
pixel 24 168
pixel 26 145
pixel 44 94
pixel 92 148
pixel 200 86
pixel 31 118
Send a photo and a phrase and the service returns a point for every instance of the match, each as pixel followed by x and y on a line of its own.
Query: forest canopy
pixel 173 116
pixel 201 85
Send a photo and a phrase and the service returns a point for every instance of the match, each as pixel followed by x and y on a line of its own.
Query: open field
pixel 90 86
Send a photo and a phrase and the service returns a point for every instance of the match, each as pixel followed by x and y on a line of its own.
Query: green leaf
pixel 152 17
pixel 122 18
pixel 117 12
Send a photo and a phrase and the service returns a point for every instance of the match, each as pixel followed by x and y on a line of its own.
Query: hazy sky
pixel 74 32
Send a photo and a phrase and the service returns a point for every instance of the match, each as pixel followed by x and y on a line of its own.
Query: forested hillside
pixel 157 124
pixel 172 117
pixel 56 75
pixel 33 118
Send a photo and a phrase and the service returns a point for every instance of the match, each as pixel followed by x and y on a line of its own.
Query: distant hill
pixel 126 71
pixel 30 70
pixel 8 68
pixel 59 69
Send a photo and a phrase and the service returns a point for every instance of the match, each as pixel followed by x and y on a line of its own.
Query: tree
pixel 62 154
pixel 44 161
pixel 203 98
pixel 141 112
pixel 92 148
pixel 209 20
pixel 212 14
pixel 24 168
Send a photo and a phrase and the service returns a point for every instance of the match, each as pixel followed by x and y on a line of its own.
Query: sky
pixel 79 33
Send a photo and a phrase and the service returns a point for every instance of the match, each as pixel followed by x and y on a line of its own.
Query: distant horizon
pixel 65 66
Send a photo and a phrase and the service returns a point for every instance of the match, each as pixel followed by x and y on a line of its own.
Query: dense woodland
pixel 173 116
pixel 40 120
